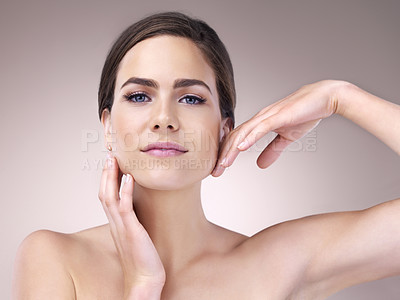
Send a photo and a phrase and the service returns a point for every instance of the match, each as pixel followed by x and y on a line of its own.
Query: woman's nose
pixel 164 118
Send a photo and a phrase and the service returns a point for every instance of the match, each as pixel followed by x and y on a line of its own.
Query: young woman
pixel 166 101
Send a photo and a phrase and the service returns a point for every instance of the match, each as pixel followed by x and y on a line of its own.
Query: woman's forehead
pixel 165 59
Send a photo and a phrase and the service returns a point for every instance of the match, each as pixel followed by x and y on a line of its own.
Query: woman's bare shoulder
pixel 46 246
pixel 99 235
pixel 47 260
pixel 50 241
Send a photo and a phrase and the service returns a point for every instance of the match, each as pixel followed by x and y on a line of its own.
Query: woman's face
pixel 165 92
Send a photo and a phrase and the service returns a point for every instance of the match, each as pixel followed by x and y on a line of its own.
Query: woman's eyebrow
pixel 190 82
pixel 141 81
pixel 178 83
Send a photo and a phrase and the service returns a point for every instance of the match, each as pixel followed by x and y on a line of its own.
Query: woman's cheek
pixel 127 144
pixel 209 148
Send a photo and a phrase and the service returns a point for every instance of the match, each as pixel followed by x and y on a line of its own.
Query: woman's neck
pixel 175 221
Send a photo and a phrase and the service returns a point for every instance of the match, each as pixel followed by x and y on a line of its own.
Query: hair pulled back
pixel 180 25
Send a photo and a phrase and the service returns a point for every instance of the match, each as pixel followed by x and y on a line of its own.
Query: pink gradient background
pixel 52 53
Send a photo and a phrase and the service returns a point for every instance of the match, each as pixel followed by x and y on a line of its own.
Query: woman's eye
pixel 189 99
pixel 137 97
pixel 142 97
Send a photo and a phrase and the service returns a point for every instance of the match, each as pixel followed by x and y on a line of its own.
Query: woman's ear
pixel 106 121
pixel 226 127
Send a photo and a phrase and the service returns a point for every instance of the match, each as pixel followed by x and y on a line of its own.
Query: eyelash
pixel 131 96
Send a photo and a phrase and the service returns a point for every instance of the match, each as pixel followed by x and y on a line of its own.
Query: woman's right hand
pixel 144 274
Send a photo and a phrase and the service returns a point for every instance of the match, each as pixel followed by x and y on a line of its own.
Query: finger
pixel 272 152
pixel 111 194
pixel 120 174
pixel 230 144
pixel 258 132
pixel 220 163
pixel 231 140
pixel 126 211
pixel 125 204
pixel 276 106
pixel 272 107
pixel 103 181
pixel 111 222
pixel 243 131
pixel 218 168
pixel 102 189
pixel 249 125
pixel 265 126
pixel 112 185
pixel 230 149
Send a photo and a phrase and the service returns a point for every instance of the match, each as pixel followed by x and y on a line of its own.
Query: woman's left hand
pixel 291 118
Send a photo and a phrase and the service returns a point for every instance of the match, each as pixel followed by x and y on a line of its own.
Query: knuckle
pixel 109 202
pixel 265 124
pixel 264 110
pixel 258 130
pixel 240 136
pixel 125 193
pixel 101 196
pixel 124 211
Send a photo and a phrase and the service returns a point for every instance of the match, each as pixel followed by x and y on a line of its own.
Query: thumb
pixel 272 152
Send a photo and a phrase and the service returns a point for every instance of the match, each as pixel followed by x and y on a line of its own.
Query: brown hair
pixel 175 24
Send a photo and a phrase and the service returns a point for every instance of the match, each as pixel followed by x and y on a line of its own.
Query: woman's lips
pixel 164 149
pixel 164 152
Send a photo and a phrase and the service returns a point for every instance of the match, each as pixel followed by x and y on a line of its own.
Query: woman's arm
pixel 316 256
pixel 327 252
pixel 348 248
pixel 363 245
pixel 377 116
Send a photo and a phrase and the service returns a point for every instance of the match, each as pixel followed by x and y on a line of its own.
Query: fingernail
pixel 223 161
pixel 219 169
pixel 242 145
pixel 127 178
pixel 109 162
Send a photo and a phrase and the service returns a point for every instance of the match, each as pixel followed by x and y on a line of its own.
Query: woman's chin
pixel 159 179
pixel 169 173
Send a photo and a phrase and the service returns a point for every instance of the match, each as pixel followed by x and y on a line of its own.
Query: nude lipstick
pixel 164 149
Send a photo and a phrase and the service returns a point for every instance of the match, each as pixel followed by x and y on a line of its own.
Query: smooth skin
pixel 158 243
